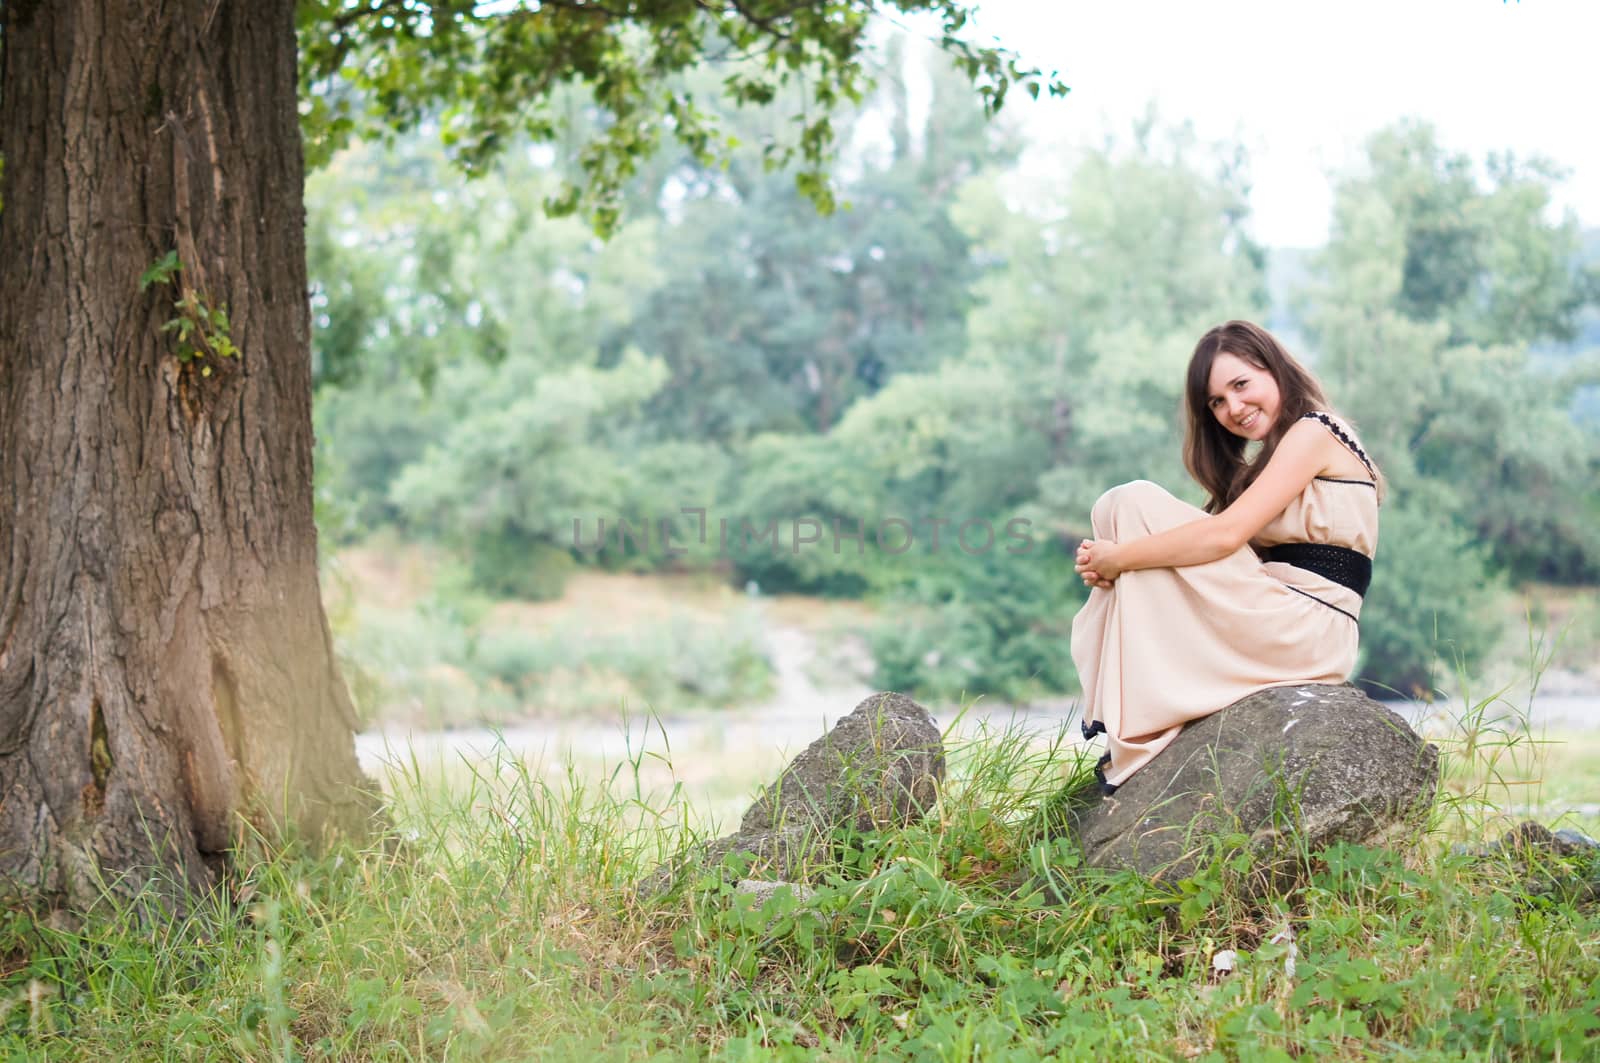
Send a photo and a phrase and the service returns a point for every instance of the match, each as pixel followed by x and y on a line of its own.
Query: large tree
pixel 165 666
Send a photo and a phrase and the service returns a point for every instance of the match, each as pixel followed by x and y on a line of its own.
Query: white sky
pixel 1301 84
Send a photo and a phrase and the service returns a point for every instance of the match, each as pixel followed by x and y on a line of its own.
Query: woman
pixel 1193 609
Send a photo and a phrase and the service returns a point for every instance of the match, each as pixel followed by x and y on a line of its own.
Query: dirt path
pixel 793 653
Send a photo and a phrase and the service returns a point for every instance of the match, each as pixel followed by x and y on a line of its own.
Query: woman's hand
pixel 1097 563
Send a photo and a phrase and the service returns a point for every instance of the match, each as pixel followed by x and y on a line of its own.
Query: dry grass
pixel 397 575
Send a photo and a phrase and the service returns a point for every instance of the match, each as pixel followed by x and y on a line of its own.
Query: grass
pixel 499 922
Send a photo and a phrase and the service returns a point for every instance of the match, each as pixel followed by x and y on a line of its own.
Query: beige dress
pixel 1165 646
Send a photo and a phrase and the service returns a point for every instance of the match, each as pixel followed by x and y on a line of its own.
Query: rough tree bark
pixel 166 671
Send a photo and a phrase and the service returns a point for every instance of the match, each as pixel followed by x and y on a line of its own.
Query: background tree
pixel 1439 280
pixel 770 317
pixel 773 319
pixel 165 665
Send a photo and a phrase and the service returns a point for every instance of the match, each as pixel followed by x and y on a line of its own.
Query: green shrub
pixel 516 657
pixel 1431 604
pixel 513 566
pixel 429 668
pixel 407 664
pixel 686 661
pixel 991 624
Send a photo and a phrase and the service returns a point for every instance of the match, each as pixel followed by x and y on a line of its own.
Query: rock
pixel 880 766
pixel 1529 840
pixel 1575 840
pixel 764 891
pixel 784 852
pixel 1561 865
pixel 1313 763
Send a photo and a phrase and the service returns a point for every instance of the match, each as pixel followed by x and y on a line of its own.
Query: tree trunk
pixel 166 671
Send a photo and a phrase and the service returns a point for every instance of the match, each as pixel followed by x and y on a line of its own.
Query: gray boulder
pixel 880 766
pixel 1288 767
pixel 765 891
pixel 1561 865
pixel 1529 838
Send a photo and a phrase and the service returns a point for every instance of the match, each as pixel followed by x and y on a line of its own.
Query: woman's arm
pixel 1303 454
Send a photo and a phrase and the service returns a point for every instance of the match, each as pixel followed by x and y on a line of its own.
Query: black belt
pixel 1344 566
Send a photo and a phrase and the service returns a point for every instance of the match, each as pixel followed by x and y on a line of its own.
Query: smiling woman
pixel 1193 608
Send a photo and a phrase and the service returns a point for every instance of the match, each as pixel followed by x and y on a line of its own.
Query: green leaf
pixel 160 271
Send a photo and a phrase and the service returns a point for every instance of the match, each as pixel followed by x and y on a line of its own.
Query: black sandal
pixel 1100 774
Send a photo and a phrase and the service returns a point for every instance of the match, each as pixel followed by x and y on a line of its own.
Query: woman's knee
pixel 1137 495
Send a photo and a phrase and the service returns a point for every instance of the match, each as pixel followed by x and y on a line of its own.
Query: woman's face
pixel 1242 397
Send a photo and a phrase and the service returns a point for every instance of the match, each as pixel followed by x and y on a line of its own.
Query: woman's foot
pixel 1100 774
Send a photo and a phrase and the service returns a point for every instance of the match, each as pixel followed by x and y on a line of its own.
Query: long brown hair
pixel 1215 456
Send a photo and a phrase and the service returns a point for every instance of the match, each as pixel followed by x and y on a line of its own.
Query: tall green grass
pixel 499 921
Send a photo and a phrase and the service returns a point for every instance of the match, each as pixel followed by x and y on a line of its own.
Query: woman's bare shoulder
pixel 1345 454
